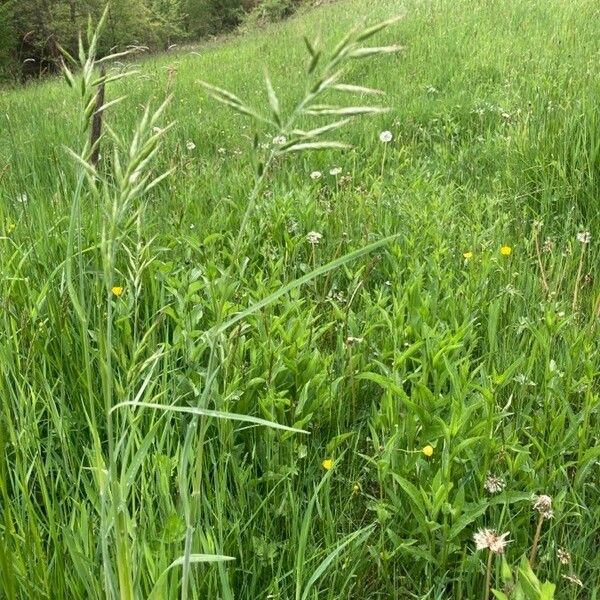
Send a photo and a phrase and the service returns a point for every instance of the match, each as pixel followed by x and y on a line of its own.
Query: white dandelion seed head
pixel 548 245
pixel 564 556
pixel 493 484
pixel 386 137
pixel 490 539
pixel 335 171
pixel 316 175
pixel 293 226
pixel 584 237
pixel 543 504
pixel 338 296
pixel 190 145
pixel 314 237
pixel 221 150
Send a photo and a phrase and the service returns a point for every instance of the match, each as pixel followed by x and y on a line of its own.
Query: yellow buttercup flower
pixel 427 451
pixel 327 464
pixel 506 250
pixel 117 290
pixel 468 255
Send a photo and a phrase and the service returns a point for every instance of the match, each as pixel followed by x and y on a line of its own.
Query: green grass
pixel 491 360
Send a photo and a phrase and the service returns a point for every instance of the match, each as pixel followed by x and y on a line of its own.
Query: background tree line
pixel 31 30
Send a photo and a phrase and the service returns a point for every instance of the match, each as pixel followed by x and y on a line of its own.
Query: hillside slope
pixel 445 379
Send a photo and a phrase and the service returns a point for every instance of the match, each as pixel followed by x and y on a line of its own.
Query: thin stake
pixel 97 121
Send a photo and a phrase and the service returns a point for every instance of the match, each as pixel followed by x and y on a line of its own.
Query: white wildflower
pixel 314 237
pixel 316 175
pixel 584 237
pixel 543 504
pixel 489 538
pixel 335 171
pixel 386 137
pixel 493 484
pixel 279 140
pixel 190 145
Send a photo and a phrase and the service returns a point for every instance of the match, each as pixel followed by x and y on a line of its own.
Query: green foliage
pixel 169 20
pixel 490 359
pixel 271 11
pixel 526 587
pixel 210 17
pixel 7 35
pixel 30 36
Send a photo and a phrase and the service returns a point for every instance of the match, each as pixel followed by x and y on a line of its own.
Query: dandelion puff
pixel 564 556
pixel 316 175
pixel 386 137
pixel 543 504
pixel 345 180
pixel 221 151
pixel 548 245
pixel 190 145
pixel 335 171
pixel 490 539
pixel 314 237
pixel 493 484
pixel 584 237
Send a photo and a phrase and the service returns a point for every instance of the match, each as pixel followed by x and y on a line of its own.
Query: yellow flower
pixel 468 255
pixel 505 250
pixel 427 451
pixel 327 464
pixel 117 290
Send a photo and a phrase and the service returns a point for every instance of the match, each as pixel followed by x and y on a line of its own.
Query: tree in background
pixel 32 31
pixel 169 20
pixel 7 36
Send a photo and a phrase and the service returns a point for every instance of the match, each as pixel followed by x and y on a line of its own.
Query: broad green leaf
pixel 204 412
pixel 194 558
pixel 334 264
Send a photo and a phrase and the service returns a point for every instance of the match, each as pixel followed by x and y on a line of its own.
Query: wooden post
pixel 97 121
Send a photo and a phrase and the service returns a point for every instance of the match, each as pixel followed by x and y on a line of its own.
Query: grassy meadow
pixel 441 355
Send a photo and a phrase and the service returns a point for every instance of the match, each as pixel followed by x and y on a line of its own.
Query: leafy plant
pixel 526 587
